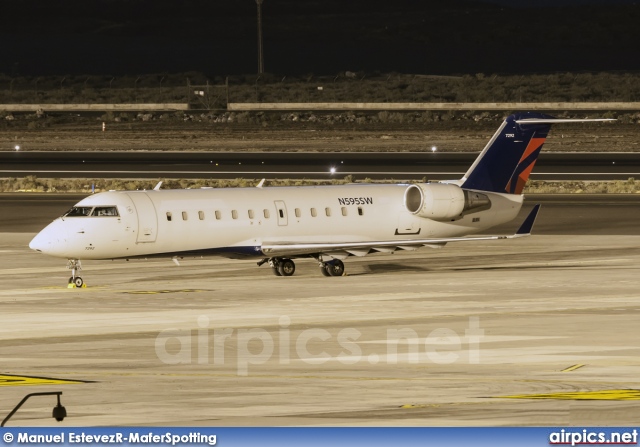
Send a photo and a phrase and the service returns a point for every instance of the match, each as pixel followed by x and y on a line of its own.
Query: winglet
pixel 261 184
pixel 157 187
pixel 527 225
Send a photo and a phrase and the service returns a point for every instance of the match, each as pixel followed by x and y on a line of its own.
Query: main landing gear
pixel 286 267
pixel 282 266
pixel 75 281
pixel 335 267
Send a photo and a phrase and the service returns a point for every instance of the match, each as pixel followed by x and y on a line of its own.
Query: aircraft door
pixel 147 217
pixel 281 210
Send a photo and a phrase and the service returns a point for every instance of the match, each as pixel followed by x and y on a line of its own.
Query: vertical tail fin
pixel 507 161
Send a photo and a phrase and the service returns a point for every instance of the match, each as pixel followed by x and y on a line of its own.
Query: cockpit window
pixel 78 211
pixel 100 211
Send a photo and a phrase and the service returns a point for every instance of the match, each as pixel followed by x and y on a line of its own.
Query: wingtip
pixel 527 225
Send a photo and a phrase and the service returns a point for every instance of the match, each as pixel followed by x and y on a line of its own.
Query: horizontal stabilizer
pixel 527 225
pixel 560 120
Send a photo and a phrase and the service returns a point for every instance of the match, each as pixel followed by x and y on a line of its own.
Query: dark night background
pixel 218 37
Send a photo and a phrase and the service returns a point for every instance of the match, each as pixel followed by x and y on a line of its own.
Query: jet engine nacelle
pixel 443 201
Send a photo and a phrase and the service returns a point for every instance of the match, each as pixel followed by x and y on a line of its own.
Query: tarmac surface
pixel 535 331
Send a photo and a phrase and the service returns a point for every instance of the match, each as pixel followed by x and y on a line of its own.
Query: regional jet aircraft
pixel 327 223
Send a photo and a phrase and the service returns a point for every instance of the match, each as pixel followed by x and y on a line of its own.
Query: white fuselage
pixel 239 221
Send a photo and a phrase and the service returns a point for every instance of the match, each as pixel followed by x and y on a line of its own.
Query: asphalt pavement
pixel 312 165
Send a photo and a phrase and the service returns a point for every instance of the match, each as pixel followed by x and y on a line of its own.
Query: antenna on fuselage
pixel 157 187
pixel 261 184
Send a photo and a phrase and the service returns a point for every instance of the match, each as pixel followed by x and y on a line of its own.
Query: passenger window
pixel 360 211
pixel 266 214
pixel 313 212
pixel 218 215
pixel 78 211
pixel 344 210
pixel 169 216
pixel 101 211
pixel 185 216
pixel 251 215
pixel 201 215
pixel 298 213
pixel 327 211
pixel 234 214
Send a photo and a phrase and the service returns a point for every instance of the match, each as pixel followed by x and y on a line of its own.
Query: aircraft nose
pixel 39 243
pixel 46 241
pixel 55 240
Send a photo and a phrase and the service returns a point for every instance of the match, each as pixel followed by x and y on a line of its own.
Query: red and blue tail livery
pixel 506 162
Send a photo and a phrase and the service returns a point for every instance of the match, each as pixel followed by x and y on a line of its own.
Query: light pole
pixel 260 55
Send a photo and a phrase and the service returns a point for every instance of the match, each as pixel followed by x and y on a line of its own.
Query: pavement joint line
pixel 442 404
pixel 154 292
pixel 300 377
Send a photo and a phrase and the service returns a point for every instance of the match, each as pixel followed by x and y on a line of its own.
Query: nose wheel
pixel 75 281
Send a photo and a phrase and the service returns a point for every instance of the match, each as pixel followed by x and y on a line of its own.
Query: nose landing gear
pixel 75 281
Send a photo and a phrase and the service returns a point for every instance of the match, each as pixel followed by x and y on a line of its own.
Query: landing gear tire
pixel 77 281
pixel 323 270
pixel 286 267
pixel 335 268
pixel 75 266
pixel 282 266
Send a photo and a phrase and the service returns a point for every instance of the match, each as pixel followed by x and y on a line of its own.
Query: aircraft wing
pixel 342 250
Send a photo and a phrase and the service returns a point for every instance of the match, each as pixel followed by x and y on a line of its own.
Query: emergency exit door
pixel 281 211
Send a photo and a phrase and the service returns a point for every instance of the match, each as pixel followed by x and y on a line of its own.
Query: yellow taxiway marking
pixel 10 380
pixel 583 395
pixel 572 368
